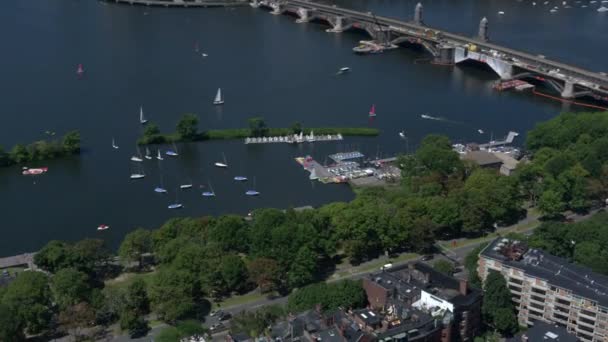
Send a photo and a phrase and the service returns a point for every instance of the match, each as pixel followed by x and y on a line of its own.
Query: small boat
pixel 137 176
pixel 252 192
pixel 204 54
pixel 142 119
pixel 602 9
pixel 186 186
pixel 114 146
pixel 240 179
pixel 501 13
pixel 372 111
pixel 313 175
pixel 402 134
pixel 34 171
pixel 159 156
pixel 533 3
pixel 80 70
pixel 137 158
pixel 103 227
pixel 160 190
pixel 218 97
pixel 175 205
pixel 224 164
pixel 148 156
pixel 343 70
pixel 171 152
pixel 553 10
pixel 480 131
pixel 210 193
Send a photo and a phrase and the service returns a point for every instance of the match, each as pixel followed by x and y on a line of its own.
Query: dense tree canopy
pixel 497 308
pixel 330 296
pixel 187 127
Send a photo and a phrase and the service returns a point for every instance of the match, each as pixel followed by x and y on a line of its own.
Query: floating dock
pixel 339 157
pixel 518 85
pixel 294 139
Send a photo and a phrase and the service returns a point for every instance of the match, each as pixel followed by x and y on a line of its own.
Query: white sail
pixel 218 97
pixel 141 115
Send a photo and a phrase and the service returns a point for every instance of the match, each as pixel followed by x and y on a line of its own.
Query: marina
pixel 292 139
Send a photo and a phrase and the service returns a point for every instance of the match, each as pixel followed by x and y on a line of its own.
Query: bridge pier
pixel 445 55
pixel 568 91
pixel 418 14
pixel 276 8
pixel 338 25
pixel 304 15
pixel 254 3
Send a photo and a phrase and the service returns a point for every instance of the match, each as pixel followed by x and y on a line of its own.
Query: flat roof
pixel 482 157
pixel 557 271
pixel 542 331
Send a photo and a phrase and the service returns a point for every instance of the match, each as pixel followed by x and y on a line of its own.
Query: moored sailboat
pixel 218 97
pixel 209 193
pixel 114 146
pixel 142 119
pixel 172 153
pixel 252 192
pixel 137 158
pixel 223 164
pixel 175 205
pixel 138 174
pixel 240 178
pixel 372 111
pixel 148 156
pixel 159 156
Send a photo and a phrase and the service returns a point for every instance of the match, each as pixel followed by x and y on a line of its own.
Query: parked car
pixel 215 313
pixel 427 257
pixel 224 316
pixel 216 327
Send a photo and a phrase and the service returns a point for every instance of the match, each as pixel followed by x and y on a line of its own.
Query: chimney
pixel 464 287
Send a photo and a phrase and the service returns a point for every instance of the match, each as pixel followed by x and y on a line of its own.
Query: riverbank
pixel 242 133
pixel 42 150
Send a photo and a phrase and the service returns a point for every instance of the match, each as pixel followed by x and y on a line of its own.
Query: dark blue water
pixel 267 66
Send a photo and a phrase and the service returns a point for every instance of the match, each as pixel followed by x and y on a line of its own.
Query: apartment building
pixel 549 289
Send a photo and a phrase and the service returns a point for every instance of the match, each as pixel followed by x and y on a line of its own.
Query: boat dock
pixel 370 46
pixel 518 85
pixel 291 139
pixel 495 143
pixel 26 259
pixel 339 157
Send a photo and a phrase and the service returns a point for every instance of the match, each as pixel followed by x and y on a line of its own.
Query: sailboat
pixel 160 189
pixel 142 120
pixel 114 146
pixel 175 205
pixel 159 156
pixel 79 70
pixel 137 158
pixel 372 111
pixel 148 156
pixel 402 134
pixel 138 175
pixel 218 97
pixel 224 164
pixel 171 152
pixel 186 186
pixel 210 193
pixel 252 192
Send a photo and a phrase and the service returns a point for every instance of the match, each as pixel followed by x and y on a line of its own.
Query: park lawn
pixel 238 300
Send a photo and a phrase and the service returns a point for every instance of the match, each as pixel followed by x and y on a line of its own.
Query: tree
pixel 187 127
pixel 257 126
pixel 551 204
pixel 151 130
pixel 234 273
pixel 11 325
pixel 444 267
pixel 231 233
pixel 71 142
pixel 330 296
pixel 70 287
pixel 29 295
pixel 173 294
pixel 54 256
pixel 134 245
pixel 19 154
pixel 303 269
pixel 133 323
pixel 75 319
pixel 470 263
pixel 265 273
pixel 296 128
pixel 136 297
pixel 497 308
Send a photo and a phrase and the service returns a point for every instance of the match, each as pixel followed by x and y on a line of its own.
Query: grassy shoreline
pixel 242 133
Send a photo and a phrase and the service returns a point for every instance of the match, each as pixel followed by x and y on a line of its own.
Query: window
pixel 588 313
pixel 537 298
pixel 562 301
pixel 584 328
pixel 561 317
pixel 539 291
pixel 516 281
pixel 586 320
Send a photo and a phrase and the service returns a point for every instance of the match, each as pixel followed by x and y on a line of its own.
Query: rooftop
pixel 542 331
pixel 482 158
pixel 557 271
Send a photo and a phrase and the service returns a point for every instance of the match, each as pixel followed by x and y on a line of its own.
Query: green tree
pixel 5 159
pixel 257 126
pixel 19 154
pixel 151 130
pixel 70 287
pixel 266 273
pixel 173 294
pixel 234 273
pixel 136 325
pixel 231 233
pixel 71 142
pixel 296 128
pixel 444 267
pixel 54 256
pixel 303 269
pixel 11 325
pixel 134 245
pixel 551 204
pixel 136 297
pixel 187 127
pixel 29 295
pixel 470 263
pixel 497 308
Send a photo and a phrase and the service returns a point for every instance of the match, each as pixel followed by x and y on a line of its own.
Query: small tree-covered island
pixel 187 130
pixel 41 150
pixel 180 272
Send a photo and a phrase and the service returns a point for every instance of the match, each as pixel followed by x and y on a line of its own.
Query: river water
pixel 267 66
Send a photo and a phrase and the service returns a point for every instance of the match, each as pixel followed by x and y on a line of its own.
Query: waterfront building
pixel 550 289
pixel 417 286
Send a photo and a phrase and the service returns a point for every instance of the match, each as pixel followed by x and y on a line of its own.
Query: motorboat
pixel 103 227
pixel 34 171
pixel 240 178
pixel 137 176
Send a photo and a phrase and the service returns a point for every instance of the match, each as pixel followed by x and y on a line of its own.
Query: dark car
pixel 427 257
pixel 224 316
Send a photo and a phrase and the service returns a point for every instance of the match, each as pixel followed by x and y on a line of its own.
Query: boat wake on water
pixel 438 118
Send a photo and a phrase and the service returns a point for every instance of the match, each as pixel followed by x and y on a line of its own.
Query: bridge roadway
pixel 591 82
